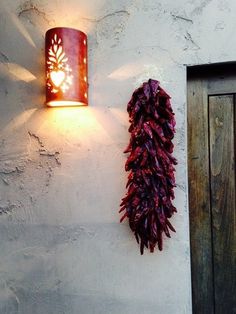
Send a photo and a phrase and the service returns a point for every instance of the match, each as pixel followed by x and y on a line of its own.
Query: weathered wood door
pixel 211 174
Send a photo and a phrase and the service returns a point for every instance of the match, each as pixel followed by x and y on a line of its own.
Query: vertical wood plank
pixel 199 198
pixel 222 177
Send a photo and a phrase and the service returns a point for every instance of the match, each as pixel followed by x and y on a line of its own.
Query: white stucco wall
pixel 62 248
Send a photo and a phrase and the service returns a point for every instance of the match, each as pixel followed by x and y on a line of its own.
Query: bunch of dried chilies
pixel 148 202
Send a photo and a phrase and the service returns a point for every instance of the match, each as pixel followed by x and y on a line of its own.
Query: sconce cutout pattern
pixel 59 73
pixel 66 68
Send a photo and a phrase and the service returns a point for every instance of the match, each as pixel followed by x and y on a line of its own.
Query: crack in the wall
pixel 27 8
pixel 198 10
pixel 43 151
pixel 182 18
pixel 189 38
pixel 3 58
pixel 40 158
pixel 36 137
pixel 7 208
pixel 7 171
pixel 7 168
pixel 106 16
pixel 107 29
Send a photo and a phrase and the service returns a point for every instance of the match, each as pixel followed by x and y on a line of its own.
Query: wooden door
pixel 211 174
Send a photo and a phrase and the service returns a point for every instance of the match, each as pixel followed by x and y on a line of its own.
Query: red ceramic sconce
pixel 66 67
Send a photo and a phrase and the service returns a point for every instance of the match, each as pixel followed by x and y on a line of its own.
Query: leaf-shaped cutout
pixel 59 51
pixel 55 48
pixel 52 59
pixel 62 56
pixel 50 52
pixel 59 40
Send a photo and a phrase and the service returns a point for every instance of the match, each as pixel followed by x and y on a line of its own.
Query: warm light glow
pixel 66 103
pixel 74 122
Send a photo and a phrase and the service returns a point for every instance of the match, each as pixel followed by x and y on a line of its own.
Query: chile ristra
pixel 148 201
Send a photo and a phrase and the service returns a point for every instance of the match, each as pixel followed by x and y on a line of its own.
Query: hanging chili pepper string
pixel 148 201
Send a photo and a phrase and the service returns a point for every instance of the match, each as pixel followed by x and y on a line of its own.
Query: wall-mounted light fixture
pixel 66 67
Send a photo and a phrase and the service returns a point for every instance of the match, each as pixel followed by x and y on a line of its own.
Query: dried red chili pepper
pixel 148 201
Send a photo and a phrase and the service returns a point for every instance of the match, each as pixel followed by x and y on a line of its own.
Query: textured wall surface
pixel 62 249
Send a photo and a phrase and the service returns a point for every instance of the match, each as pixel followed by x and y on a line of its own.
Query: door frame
pixel 202 80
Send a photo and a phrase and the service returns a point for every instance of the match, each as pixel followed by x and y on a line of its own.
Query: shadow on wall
pixel 21 61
